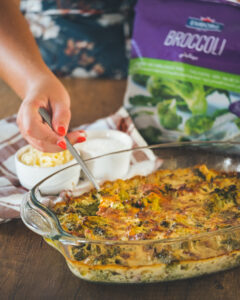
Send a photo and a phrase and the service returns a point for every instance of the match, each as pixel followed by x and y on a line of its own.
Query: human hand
pixel 49 93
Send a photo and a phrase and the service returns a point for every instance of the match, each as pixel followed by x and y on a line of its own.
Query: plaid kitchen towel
pixel 11 192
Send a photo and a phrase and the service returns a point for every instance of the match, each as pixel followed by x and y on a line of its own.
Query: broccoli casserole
pixel 167 205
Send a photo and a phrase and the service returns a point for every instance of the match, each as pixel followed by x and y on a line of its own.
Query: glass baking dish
pixel 138 261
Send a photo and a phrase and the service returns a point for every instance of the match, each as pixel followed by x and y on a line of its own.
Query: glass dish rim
pixel 65 237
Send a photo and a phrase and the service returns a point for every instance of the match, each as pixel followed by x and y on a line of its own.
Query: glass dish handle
pixel 35 219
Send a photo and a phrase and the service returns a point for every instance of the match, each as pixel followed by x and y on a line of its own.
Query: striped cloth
pixel 11 192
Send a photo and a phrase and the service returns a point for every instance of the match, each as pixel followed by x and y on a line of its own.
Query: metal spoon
pixel 47 118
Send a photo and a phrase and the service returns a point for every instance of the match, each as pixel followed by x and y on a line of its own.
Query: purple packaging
pixel 184 73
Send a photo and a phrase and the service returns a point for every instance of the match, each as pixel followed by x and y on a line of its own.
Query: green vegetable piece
pixel 79 252
pixel 233 243
pixel 184 139
pixel 192 93
pixel 162 108
pixel 88 209
pixel 99 231
pixel 140 79
pixel 165 257
pixel 171 120
pixel 199 174
pixel 165 224
pixel 198 124
pixel 168 114
pixel 141 100
pixel 151 134
pixel 159 87
pixel 220 197
pixel 182 105
pixel 227 194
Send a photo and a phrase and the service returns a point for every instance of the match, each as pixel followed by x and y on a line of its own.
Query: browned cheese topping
pixel 164 204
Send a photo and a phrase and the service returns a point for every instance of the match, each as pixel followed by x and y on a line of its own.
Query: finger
pixel 32 125
pixel 44 146
pixel 80 132
pixel 60 117
pixel 76 137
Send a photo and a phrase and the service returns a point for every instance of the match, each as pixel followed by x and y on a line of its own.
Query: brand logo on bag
pixel 204 23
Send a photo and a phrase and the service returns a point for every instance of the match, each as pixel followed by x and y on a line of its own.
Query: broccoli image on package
pixel 192 94
pixel 198 124
pixel 168 114
pixel 184 72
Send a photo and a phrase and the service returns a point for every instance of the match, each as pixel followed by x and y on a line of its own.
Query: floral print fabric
pixel 82 38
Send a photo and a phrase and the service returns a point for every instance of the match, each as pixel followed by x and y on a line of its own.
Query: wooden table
pixel 30 269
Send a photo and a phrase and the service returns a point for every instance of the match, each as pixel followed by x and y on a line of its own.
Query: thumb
pixel 61 115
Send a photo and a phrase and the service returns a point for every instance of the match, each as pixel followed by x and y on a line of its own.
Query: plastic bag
pixel 184 72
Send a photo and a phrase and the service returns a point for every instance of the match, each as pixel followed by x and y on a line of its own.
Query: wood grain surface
pixel 31 269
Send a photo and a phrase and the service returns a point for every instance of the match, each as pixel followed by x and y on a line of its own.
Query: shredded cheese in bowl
pixel 34 157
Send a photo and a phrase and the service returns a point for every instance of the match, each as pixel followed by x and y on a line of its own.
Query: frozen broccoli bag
pixel 184 72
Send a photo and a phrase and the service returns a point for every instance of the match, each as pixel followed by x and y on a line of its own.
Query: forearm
pixel 22 67
pixel 21 64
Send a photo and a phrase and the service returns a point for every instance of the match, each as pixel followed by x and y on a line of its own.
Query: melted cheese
pixel 165 204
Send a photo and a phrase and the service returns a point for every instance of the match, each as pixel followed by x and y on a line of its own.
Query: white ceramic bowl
pixel 100 142
pixel 31 175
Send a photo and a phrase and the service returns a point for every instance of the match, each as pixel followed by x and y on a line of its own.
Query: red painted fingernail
pixel 61 130
pixel 81 139
pixel 62 144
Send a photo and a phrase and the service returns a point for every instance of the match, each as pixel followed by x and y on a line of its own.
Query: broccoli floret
pixel 159 87
pixel 151 134
pixel 198 124
pixel 171 120
pixel 141 100
pixel 182 105
pixel 140 79
pixel 192 93
pixel 168 116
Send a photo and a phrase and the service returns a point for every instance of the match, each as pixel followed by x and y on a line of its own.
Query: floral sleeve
pixel 82 38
